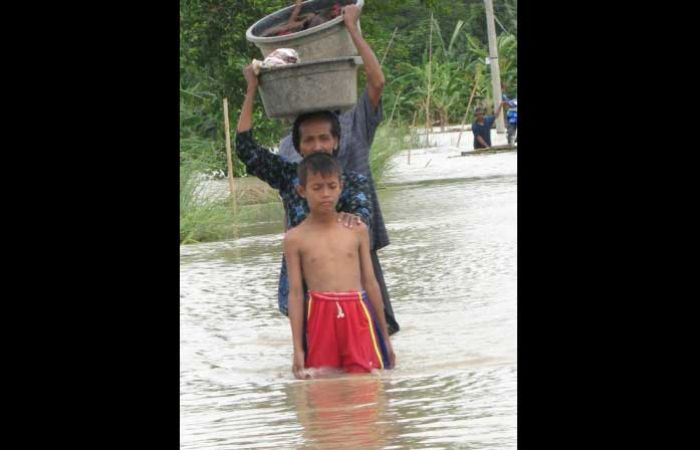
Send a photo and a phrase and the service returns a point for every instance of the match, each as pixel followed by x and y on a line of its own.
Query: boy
pixel 334 261
pixel 481 127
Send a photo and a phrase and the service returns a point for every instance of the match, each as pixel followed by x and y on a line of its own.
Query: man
pixel 358 127
pixel 482 127
pixel 313 133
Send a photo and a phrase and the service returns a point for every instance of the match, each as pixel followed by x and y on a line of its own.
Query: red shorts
pixel 341 333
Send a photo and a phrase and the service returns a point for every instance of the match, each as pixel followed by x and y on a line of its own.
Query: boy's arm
pixel 291 24
pixel 259 161
pixel 370 284
pixel 296 302
pixel 355 197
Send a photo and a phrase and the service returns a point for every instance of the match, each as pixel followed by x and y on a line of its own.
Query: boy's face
pixel 321 192
pixel 315 136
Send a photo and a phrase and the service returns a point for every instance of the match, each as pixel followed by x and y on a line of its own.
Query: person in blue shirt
pixel 482 127
pixel 511 118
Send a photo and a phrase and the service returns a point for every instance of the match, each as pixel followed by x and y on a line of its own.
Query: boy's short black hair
pixel 327 115
pixel 318 162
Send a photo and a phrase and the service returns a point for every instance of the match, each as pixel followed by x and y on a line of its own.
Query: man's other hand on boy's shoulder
pixel 359 227
pixel 349 219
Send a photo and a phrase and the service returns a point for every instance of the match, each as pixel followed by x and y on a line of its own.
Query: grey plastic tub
pixel 288 91
pixel 328 40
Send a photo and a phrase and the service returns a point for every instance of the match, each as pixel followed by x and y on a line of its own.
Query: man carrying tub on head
pixel 313 132
pixel 358 127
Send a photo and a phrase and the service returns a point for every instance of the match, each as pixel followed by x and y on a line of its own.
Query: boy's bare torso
pixel 329 254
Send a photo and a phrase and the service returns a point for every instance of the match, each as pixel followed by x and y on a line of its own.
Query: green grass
pixel 389 140
pixel 212 219
pixel 202 219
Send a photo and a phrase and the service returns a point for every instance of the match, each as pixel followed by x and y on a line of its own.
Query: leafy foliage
pixel 213 51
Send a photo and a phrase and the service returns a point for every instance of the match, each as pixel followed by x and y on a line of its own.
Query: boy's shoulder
pixel 360 228
pixel 295 233
pixel 298 231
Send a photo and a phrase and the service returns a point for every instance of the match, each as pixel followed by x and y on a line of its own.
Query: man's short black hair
pixel 327 115
pixel 318 162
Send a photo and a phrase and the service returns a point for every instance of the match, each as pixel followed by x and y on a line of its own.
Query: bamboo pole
pixel 229 160
pixel 415 115
pixel 398 96
pixel 389 46
pixel 469 104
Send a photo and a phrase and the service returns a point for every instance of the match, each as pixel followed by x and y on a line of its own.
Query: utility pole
pixel 495 69
pixel 428 125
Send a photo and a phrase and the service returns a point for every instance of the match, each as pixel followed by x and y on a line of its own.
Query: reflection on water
pixel 451 271
pixel 342 411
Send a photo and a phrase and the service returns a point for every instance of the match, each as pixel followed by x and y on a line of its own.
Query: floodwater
pixel 452 276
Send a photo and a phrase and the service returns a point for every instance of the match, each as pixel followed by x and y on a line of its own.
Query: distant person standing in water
pixel 482 127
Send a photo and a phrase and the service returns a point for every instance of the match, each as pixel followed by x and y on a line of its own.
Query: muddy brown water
pixel 452 276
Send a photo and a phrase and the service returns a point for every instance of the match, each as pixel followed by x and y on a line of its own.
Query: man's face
pixel 321 192
pixel 315 136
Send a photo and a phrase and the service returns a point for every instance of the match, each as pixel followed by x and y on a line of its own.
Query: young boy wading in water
pixel 334 261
